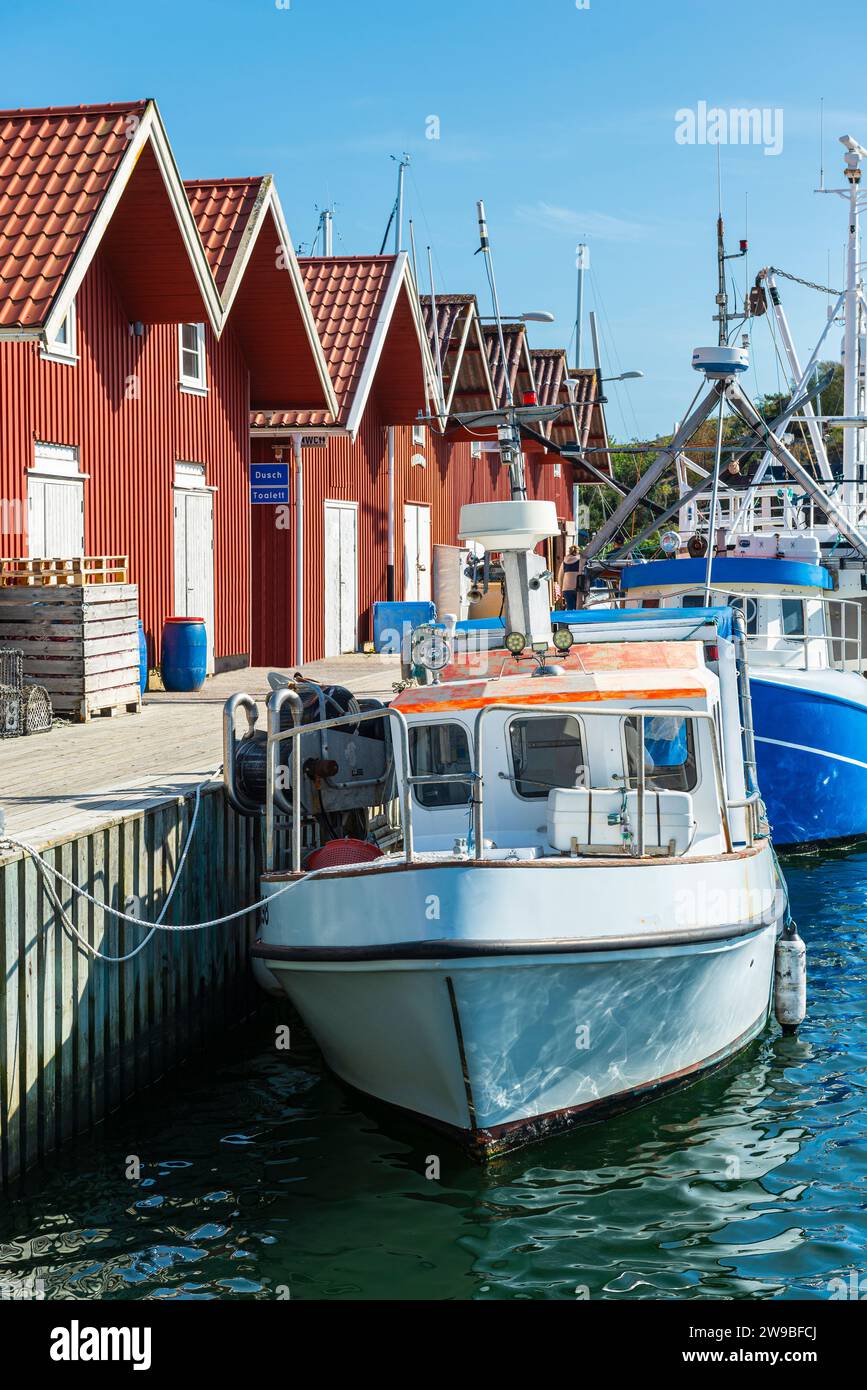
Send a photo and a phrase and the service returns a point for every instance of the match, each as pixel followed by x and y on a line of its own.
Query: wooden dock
pixel 109 805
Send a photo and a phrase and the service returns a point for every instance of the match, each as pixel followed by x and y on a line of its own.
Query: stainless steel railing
pixel 849 644
pixel 640 717
pixel 290 807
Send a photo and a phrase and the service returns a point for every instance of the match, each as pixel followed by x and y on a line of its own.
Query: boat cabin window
pixel 433 750
pixel 547 751
pixel 669 753
pixel 650 603
pixel 793 617
pixel 692 601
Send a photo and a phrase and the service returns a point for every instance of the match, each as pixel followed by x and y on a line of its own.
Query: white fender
pixel 790 981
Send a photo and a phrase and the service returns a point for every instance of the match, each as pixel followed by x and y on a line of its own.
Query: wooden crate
pixel 80 642
pixel 87 569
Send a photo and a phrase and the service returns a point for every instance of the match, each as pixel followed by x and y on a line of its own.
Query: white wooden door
pixel 416 552
pixel 194 559
pixel 55 504
pixel 341 578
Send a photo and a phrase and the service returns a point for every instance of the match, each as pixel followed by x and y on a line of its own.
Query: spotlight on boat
pixel 515 643
pixel 563 639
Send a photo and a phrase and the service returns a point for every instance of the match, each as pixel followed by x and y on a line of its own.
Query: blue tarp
pixel 690 617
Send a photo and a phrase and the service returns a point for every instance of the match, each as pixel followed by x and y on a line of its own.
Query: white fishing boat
pixel 561 927
pixel 563 900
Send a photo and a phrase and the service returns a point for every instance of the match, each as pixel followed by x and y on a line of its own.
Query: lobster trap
pixel 11 668
pixel 24 709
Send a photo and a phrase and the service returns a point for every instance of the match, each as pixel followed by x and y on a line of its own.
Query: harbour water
pixel 261 1178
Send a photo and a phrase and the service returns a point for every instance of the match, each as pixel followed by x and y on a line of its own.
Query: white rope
pixel 159 925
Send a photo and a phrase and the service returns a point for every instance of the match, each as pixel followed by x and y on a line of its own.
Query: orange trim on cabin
pixel 546 697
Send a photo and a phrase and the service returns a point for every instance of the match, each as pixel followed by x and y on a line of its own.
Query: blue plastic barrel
pixel 142 658
pixel 185 654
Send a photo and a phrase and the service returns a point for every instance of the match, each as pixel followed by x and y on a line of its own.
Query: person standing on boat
pixel 567 579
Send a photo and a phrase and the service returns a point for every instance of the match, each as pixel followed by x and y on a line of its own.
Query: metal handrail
pixel 251 709
pixel 409 780
pixel 829 639
pixel 641 716
pixel 276 736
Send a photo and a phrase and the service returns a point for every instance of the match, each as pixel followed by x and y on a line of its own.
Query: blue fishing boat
pixel 809 697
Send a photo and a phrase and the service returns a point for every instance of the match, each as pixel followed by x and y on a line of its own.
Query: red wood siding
pixel 359 473
pixel 129 447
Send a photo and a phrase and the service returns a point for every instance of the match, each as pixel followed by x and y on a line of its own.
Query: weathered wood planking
pixel 78 1036
pixel 79 641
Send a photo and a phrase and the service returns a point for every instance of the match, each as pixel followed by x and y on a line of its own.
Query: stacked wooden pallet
pixel 85 569
pixel 80 642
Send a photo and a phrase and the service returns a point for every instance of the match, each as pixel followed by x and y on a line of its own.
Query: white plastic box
pixel 581 820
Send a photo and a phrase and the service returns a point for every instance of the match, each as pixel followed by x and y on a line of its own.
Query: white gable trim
pixel 268 201
pixel 400 278
pixel 150 129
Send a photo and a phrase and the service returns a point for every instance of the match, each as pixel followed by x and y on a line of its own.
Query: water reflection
pixel 263 1180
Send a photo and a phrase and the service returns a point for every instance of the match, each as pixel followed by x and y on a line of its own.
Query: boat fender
pixel 790 979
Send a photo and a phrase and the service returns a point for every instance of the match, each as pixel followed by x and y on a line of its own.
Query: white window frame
pixel 475 448
pixel 57 351
pixel 196 385
pixel 419 436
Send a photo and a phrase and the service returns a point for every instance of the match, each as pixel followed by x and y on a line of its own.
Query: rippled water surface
pixel 263 1178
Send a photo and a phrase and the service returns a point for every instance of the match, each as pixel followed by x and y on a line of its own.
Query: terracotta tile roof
pixel 450 311
pixel 222 209
pixel 513 338
pixel 346 295
pixel 56 164
pixel 549 369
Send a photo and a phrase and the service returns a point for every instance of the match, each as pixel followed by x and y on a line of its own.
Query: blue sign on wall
pixel 269 496
pixel 269 475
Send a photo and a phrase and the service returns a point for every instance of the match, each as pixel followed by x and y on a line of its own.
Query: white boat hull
pixel 501 1041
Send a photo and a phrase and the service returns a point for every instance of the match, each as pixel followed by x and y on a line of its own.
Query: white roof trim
pixel 268 201
pixel 150 129
pixel 273 202
pixel 400 277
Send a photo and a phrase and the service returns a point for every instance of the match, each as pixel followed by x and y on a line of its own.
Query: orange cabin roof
pixel 610 671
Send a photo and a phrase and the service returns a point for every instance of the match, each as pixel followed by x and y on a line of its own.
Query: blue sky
pixel 561 118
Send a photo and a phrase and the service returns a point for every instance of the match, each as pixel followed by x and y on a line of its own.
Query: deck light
pixel 563 639
pixel 515 643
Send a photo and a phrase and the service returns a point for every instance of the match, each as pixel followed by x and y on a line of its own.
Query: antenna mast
pixel 508 433
pixel 582 261
pixel 398 227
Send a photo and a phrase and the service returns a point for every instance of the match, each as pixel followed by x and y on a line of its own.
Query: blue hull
pixel 811 751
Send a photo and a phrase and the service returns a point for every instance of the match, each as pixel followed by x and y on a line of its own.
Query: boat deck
pixel 79 777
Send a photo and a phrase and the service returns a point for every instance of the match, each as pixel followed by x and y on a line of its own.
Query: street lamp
pixel 534 316
pixel 624 376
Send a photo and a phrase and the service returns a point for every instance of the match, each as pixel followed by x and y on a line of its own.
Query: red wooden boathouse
pixel 128 366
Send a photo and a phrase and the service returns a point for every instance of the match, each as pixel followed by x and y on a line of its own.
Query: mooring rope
pixel 43 867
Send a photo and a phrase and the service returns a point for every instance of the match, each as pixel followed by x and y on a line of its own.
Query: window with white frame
pixel 191 346
pixel 419 435
pixel 62 347
pixel 475 449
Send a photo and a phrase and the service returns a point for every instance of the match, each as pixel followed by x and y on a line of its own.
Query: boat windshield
pixel 669 753
pixel 547 751
pixel 435 749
